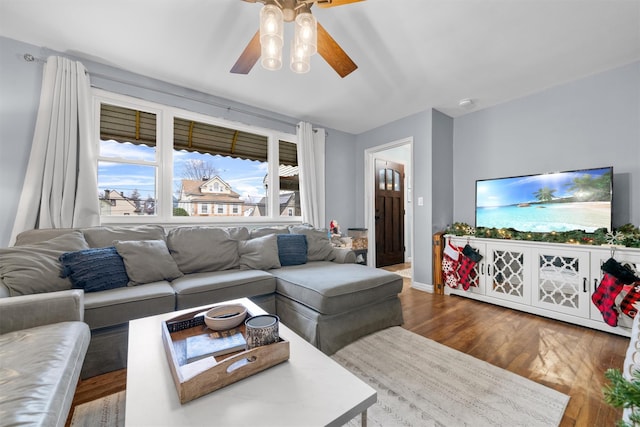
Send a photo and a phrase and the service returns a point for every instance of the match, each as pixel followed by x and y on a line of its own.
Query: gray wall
pixel 442 171
pixel 591 122
pixel 20 84
pixel 419 127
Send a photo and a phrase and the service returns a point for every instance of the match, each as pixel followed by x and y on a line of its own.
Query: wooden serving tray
pixel 203 376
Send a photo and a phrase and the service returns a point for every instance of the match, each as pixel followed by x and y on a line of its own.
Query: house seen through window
pixel 205 168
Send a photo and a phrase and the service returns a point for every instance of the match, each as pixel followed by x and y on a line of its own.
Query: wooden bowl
pixel 225 316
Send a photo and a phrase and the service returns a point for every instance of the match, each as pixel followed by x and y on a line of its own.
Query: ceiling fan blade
pixel 332 3
pixel 329 49
pixel 249 56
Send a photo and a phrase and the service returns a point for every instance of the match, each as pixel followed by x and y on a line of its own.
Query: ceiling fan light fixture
pixel 271 36
pixel 306 32
pixel 300 59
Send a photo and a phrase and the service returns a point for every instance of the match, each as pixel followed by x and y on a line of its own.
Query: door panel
pixel 389 213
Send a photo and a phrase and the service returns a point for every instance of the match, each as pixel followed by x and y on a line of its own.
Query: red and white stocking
pixel 450 265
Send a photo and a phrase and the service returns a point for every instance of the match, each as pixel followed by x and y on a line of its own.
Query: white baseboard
pixel 422 287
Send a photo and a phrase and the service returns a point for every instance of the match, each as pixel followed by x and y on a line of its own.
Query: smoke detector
pixel 466 103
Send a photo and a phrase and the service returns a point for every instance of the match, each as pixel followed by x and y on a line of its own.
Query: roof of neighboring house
pixel 192 189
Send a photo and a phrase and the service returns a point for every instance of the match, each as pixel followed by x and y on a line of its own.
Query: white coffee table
pixel 309 389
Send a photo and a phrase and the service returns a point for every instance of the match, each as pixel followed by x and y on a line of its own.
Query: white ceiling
pixel 412 54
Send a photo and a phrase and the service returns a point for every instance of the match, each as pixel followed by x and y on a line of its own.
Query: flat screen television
pixel 559 201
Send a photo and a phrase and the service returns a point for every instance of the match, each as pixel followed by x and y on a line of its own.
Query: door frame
pixel 370 155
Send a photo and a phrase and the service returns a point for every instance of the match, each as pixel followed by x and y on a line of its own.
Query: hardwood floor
pixel 567 358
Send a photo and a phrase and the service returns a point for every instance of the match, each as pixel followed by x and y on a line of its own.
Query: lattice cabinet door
pixel 561 281
pixel 508 274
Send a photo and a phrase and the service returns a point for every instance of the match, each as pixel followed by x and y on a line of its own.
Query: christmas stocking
pixel 468 260
pixel 633 296
pixel 605 298
pixel 450 264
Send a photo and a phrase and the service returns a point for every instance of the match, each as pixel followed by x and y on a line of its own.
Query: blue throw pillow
pixel 94 269
pixel 292 249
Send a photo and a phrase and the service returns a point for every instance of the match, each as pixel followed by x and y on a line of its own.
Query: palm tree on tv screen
pixel 545 194
pixel 590 189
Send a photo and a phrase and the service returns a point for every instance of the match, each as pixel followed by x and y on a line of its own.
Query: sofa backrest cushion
pixel 260 253
pixel 292 249
pixel 203 249
pixel 318 244
pixel 36 268
pixel 265 231
pixel 147 261
pixel 94 270
pixel 103 237
pixel 29 237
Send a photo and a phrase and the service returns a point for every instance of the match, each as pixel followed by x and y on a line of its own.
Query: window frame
pixel 165 116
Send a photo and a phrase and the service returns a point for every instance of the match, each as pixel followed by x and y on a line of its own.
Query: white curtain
pixel 312 188
pixel 60 187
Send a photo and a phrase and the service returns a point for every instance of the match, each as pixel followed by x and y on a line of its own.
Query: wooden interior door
pixel 389 213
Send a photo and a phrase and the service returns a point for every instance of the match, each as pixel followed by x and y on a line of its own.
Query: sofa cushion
pixel 117 306
pixel 36 268
pixel 318 244
pixel 102 237
pixel 292 249
pixel 331 288
pixel 260 253
pixel 264 231
pixel 95 269
pixel 147 261
pixel 198 249
pixel 29 237
pixel 40 370
pixel 196 289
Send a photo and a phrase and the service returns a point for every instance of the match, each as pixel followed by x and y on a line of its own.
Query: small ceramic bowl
pixel 225 316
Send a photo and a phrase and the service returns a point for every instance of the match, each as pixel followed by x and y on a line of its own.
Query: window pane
pixel 221 167
pixel 396 181
pixel 126 189
pixel 389 179
pixel 381 179
pixel 289 174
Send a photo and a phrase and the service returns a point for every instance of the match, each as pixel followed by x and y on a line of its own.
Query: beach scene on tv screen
pixel 563 201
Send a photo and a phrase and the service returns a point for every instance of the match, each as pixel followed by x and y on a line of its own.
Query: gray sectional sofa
pixel 130 272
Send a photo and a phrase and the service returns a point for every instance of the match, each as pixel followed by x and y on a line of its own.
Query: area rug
pixel 404 273
pixel 104 412
pixel 423 383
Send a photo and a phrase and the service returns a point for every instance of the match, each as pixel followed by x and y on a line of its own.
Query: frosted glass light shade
pixel 271 53
pixel 306 32
pixel 271 37
pixel 300 59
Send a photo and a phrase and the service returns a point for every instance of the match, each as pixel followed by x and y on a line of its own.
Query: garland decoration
pixel 627 235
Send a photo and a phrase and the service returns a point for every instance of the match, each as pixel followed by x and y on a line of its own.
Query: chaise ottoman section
pixel 197 289
pixel 330 288
pixel 332 305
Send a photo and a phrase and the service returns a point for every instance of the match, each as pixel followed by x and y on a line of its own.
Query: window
pixel 161 161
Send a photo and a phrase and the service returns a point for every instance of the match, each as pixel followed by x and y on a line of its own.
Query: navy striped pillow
pixel 94 269
pixel 292 249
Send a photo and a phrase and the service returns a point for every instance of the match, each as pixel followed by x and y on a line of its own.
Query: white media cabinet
pixel 554 280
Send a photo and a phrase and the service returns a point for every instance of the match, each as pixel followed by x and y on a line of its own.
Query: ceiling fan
pixel 310 37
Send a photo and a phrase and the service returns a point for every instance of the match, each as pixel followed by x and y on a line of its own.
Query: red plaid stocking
pixel 633 296
pixel 605 297
pixel 466 272
pixel 450 264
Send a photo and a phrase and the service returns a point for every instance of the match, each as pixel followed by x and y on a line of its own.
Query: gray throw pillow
pixel 103 237
pixel 318 244
pixel 36 268
pixel 260 253
pixel 265 231
pixel 200 249
pixel 147 261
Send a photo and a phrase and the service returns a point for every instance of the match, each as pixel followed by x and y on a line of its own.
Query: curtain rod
pixel 30 58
